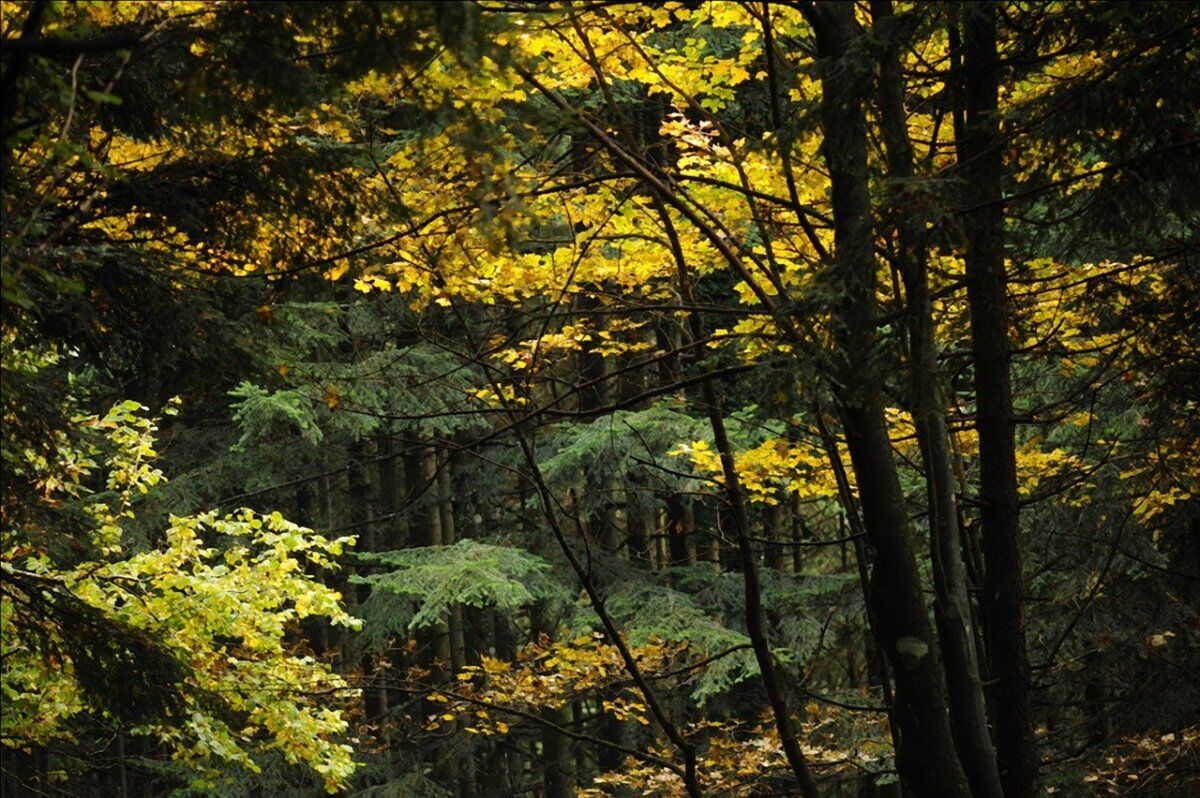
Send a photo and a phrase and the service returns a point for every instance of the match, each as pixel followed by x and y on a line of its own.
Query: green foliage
pixel 649 612
pixel 318 390
pixel 185 641
pixel 468 573
pixel 261 413
pixel 626 448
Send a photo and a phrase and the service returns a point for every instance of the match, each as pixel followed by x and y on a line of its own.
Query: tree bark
pixel 678 532
pixel 952 608
pixel 926 760
pixel 389 496
pixel 638 526
pixel 558 771
pixel 14 71
pixel 510 759
pixel 775 533
pixel 1001 601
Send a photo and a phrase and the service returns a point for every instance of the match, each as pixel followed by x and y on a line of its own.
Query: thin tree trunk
pixel 449 537
pixel 678 532
pixel 558 772
pixel 638 527
pixel 464 765
pixel 122 771
pixel 513 768
pixel 327 635
pixel 751 582
pixel 434 535
pixel 433 650
pixel 775 533
pixel 796 533
pixel 359 495
pixel 388 534
pixel 658 536
pixel 1001 601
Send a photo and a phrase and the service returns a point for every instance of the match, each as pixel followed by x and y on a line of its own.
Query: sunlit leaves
pixel 769 469
pixel 220 598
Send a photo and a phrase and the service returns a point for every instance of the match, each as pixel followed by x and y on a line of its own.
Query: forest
pixel 600 399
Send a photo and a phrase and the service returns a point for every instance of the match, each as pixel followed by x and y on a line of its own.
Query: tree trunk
pixel 775 533
pixel 510 759
pixel 678 532
pixel 388 533
pixel 639 525
pixel 1001 601
pixel 359 495
pixel 952 608
pixel 926 759
pixel 748 565
pixel 465 764
pixel 558 773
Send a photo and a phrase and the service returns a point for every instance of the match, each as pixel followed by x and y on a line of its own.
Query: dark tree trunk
pixel 776 521
pixel 747 563
pixel 388 536
pixel 359 495
pixel 558 772
pixel 1001 600
pixel 678 531
pixel 510 760
pixel 952 608
pixel 927 760
pixel 639 525
pixel 323 515
pixel 464 765
pixel 14 71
